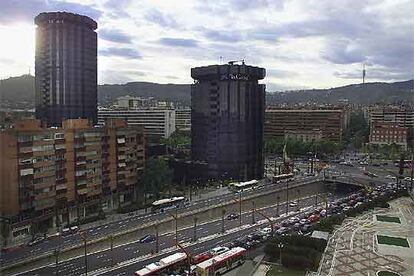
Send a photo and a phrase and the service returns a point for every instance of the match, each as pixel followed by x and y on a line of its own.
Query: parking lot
pixel 353 248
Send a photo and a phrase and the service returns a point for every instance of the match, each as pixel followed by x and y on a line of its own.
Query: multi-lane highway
pixel 121 254
pixel 129 250
pixel 129 223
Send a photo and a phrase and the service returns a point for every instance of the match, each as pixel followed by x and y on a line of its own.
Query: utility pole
pixel 83 237
pixel 277 205
pixel 176 225
pixel 195 219
pixel 287 197
pixel 223 212
pixel 157 247
pixel 111 240
pixel 240 208
pixel 56 254
pixel 253 210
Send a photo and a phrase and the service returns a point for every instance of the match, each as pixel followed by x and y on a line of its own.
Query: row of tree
pixel 296 147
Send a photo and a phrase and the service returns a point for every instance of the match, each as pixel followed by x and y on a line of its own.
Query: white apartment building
pixel 158 123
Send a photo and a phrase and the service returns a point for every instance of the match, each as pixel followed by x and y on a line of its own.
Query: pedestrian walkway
pixel 353 248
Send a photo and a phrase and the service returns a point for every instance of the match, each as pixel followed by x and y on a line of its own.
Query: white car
pixel 293 204
pixel 218 250
pixel 266 231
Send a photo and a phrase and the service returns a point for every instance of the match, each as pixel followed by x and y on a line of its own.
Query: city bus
pixel 171 264
pixel 280 177
pixel 243 186
pixel 168 203
pixel 222 263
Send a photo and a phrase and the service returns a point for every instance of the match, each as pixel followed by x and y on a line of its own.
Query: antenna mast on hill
pixel 363 73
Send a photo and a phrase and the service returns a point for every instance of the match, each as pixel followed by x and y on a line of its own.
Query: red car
pixel 314 218
pixel 201 258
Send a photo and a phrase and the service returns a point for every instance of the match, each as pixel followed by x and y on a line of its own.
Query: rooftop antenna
pixel 363 73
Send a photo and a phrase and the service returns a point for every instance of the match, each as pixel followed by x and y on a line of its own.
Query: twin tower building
pixel 227 101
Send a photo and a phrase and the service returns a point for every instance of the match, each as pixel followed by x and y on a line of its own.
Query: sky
pixel 302 44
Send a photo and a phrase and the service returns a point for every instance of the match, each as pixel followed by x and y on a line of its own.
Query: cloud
pixel 25 11
pixel 114 36
pixel 344 52
pixel 117 8
pixel 163 20
pixel 120 52
pixel 178 42
pixel 224 36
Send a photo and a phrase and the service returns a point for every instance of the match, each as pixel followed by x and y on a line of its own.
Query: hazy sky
pixel 302 44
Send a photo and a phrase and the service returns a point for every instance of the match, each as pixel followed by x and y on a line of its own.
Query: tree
pixel 157 176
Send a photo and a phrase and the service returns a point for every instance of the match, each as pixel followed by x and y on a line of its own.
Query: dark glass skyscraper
pixel 66 67
pixel 227 118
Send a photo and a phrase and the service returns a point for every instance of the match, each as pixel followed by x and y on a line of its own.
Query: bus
pixel 222 263
pixel 280 177
pixel 243 186
pixel 174 263
pixel 168 203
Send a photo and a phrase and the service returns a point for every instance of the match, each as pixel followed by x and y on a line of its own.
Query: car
pixel 266 230
pixel 201 257
pixel 314 218
pixel 232 216
pixel 293 204
pixel 285 223
pixel 296 226
pixel 282 230
pixel 323 213
pixel 147 239
pixel 346 208
pixel 219 250
pixel 36 241
pixel 294 219
pixel 306 228
pixel 304 221
pixel 254 237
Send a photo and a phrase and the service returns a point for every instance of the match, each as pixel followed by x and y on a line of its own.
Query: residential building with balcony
pixel 52 177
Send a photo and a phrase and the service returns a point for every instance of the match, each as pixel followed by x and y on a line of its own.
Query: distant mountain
pixel 107 93
pixel 368 93
pixel 18 92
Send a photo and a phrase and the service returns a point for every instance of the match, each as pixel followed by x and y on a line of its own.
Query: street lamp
pixel 277 205
pixel 111 240
pixel 156 238
pixel 56 254
pixel 280 246
pixel 223 212
pixel 195 219
pixel 83 237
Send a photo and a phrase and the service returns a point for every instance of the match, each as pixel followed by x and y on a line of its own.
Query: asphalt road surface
pixel 127 223
pixel 135 249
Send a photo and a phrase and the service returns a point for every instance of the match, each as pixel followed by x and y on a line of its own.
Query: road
pixel 135 249
pixel 132 222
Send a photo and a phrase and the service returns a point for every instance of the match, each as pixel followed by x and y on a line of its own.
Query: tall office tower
pixel 66 67
pixel 227 120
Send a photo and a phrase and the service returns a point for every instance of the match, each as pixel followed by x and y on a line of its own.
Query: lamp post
pixel 253 210
pixel 56 253
pixel 111 240
pixel 223 212
pixel 277 205
pixel 280 246
pixel 287 197
pixel 83 237
pixel 156 239
pixel 195 219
